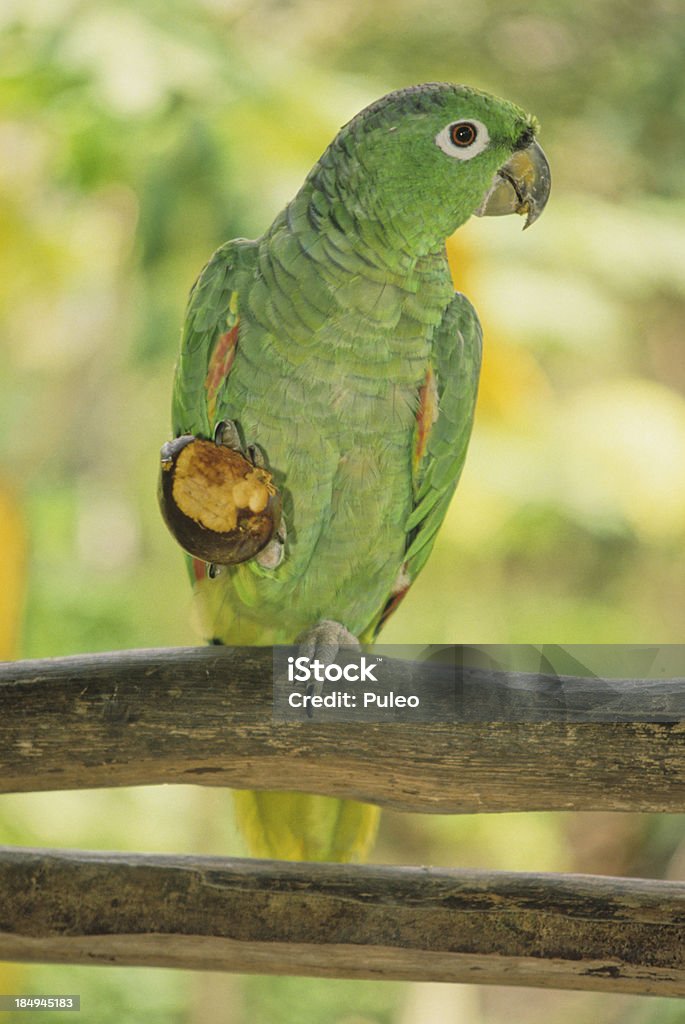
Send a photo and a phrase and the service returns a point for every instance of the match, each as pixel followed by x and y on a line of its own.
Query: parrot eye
pixel 463 134
pixel 463 139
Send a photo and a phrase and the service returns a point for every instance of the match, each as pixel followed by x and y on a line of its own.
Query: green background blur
pixel 135 138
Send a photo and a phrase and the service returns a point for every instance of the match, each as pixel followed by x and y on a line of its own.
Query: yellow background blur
pixel 135 138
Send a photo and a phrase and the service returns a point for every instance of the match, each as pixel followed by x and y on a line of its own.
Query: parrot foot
pixel 219 503
pixel 227 434
pixel 322 642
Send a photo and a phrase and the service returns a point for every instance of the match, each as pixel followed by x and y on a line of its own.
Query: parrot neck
pixel 342 235
pixel 341 199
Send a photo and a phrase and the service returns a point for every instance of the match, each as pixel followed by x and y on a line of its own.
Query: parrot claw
pixel 313 690
pixel 256 456
pixel 226 433
pixel 213 570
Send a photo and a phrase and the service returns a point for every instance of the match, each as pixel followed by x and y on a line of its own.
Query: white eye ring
pixel 467 150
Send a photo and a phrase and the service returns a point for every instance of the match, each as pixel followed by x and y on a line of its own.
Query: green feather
pixel 343 306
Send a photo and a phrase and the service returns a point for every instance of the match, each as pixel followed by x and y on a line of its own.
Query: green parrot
pixel 334 353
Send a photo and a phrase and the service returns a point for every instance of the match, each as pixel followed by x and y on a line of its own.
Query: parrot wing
pixel 209 339
pixel 444 420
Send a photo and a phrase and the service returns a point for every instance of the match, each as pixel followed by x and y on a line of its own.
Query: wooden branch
pixel 204 715
pixel 269 917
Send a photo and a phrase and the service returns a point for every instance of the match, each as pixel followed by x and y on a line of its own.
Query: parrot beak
pixel 521 186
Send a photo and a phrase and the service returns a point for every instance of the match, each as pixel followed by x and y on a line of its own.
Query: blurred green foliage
pixel 135 138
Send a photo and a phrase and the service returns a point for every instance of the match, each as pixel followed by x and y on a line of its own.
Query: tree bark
pixel 268 917
pixel 204 715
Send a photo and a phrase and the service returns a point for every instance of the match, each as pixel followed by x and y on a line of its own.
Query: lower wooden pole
pixel 270 917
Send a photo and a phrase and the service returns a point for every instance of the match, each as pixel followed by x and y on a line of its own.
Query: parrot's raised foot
pixel 219 503
pixel 227 434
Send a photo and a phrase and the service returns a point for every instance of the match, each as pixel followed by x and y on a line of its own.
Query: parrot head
pixel 423 159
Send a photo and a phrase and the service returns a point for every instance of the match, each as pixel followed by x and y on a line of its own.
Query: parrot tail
pixel 300 826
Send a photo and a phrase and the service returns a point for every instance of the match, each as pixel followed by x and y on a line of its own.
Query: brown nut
pixel 217 504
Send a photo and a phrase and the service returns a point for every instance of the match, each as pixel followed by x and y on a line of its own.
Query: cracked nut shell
pixel 216 503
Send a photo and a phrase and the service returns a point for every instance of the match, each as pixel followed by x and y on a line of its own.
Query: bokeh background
pixel 137 136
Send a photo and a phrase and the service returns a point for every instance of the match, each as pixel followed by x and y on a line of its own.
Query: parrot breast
pixel 328 373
